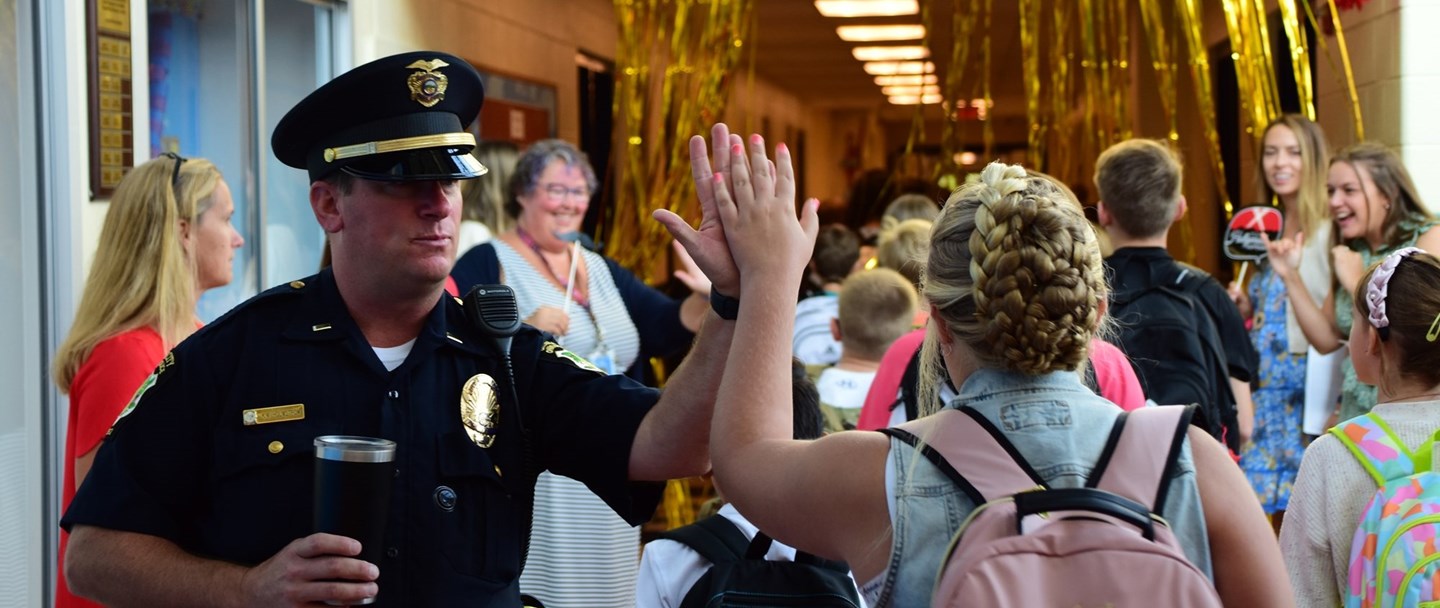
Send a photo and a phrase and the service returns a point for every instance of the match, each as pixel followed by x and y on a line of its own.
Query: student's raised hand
pixel 770 244
pixel 1284 254
pixel 707 245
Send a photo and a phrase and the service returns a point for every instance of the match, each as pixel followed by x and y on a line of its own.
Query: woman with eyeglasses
pixel 166 239
pixel 581 553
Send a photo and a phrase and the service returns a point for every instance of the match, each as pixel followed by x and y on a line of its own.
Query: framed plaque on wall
pixel 110 103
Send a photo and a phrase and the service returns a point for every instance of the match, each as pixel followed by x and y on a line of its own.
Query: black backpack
pixel 741 576
pixel 1172 340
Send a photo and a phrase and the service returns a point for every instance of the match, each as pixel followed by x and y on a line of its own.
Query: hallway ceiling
pixel 800 52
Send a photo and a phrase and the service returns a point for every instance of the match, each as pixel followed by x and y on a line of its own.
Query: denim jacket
pixel 1060 427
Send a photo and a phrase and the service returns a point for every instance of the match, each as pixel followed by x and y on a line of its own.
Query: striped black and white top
pixel 581 553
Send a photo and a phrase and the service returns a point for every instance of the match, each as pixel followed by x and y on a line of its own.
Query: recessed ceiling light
pixel 867 8
pixel 890 53
pixel 873 33
pixel 965 158
pixel 910 100
pixel 910 90
pixel 883 68
pixel 916 79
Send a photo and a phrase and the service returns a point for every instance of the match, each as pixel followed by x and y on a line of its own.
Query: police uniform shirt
pixel 184 465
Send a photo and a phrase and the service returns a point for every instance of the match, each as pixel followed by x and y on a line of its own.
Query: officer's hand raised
pixel 311 570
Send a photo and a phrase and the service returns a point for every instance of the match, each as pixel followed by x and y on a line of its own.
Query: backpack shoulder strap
pixel 909 386
pixel 1189 279
pixel 1377 448
pixel 1130 466
pixel 715 538
pixel 977 451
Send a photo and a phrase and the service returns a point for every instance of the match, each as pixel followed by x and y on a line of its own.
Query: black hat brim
pixel 418 165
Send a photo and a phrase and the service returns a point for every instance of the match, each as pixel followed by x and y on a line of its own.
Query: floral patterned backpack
pixel 1393 557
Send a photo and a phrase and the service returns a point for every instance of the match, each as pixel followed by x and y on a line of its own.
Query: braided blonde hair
pixel 1015 273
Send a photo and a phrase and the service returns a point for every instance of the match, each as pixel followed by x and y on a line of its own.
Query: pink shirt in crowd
pixel 1113 373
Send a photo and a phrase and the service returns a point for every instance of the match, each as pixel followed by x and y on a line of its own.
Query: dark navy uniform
pixel 215 452
pixel 184 465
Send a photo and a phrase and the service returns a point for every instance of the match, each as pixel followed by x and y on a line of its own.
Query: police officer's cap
pixel 400 118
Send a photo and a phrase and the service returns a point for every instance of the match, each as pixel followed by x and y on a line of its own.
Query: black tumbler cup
pixel 353 479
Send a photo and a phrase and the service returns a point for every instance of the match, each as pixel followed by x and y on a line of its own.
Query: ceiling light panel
pixel 890 53
pixel 885 68
pixel 880 33
pixel 867 8
pixel 901 91
pixel 907 80
pixel 910 100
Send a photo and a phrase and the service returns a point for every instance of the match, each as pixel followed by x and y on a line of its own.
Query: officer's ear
pixel 325 202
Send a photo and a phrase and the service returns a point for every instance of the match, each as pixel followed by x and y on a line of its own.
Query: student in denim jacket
pixel 1016 291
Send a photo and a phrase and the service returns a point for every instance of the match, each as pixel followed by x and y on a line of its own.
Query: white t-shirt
pixel 844 389
pixel 814 343
pixel 668 568
pixel 392 356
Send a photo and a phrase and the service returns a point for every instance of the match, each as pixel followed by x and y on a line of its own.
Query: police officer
pixel 202 493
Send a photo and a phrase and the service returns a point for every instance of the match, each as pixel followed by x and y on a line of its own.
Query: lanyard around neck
pixel 575 294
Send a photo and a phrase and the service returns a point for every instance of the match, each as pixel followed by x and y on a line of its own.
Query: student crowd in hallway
pixel 994 302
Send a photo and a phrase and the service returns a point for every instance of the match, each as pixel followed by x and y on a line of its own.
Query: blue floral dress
pixel 1272 458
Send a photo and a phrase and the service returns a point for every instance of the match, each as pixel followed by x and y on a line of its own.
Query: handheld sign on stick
pixel 1243 242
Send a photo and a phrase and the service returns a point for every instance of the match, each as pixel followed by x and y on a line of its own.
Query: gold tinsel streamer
pixel 1163 60
pixel 1188 16
pixel 989 124
pixel 1250 46
pixel 692 47
pixel 1349 73
pixel 1030 61
pixel 1117 49
pixel 1299 56
pixel 952 138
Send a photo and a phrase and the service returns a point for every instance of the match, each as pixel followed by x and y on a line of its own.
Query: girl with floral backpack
pixel 1364 510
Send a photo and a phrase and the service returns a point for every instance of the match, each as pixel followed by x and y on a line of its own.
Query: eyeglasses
pixel 557 192
pixel 175 173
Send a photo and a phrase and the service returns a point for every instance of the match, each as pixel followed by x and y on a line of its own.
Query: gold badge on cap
pixel 427 87
pixel 480 409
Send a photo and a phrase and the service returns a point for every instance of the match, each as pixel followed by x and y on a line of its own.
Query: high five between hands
pixel 750 237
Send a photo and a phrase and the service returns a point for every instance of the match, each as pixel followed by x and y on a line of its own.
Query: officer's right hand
pixel 311 570
pixel 549 319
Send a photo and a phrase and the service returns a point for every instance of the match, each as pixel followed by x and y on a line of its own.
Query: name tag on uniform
pixel 279 413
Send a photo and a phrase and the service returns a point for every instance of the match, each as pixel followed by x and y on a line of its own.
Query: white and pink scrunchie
pixel 1379 286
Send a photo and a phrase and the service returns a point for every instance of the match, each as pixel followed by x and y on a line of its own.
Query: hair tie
pixel 1379 285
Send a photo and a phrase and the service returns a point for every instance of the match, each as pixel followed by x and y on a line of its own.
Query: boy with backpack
pixel 1176 323
pixel 876 307
pixel 689 565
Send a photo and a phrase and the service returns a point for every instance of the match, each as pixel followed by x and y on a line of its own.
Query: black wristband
pixel 727 307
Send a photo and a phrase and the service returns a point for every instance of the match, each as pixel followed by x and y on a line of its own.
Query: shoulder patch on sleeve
pixel 149 382
pixel 559 353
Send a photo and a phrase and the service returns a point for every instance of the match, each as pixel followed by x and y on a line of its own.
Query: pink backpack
pixel 1029 545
